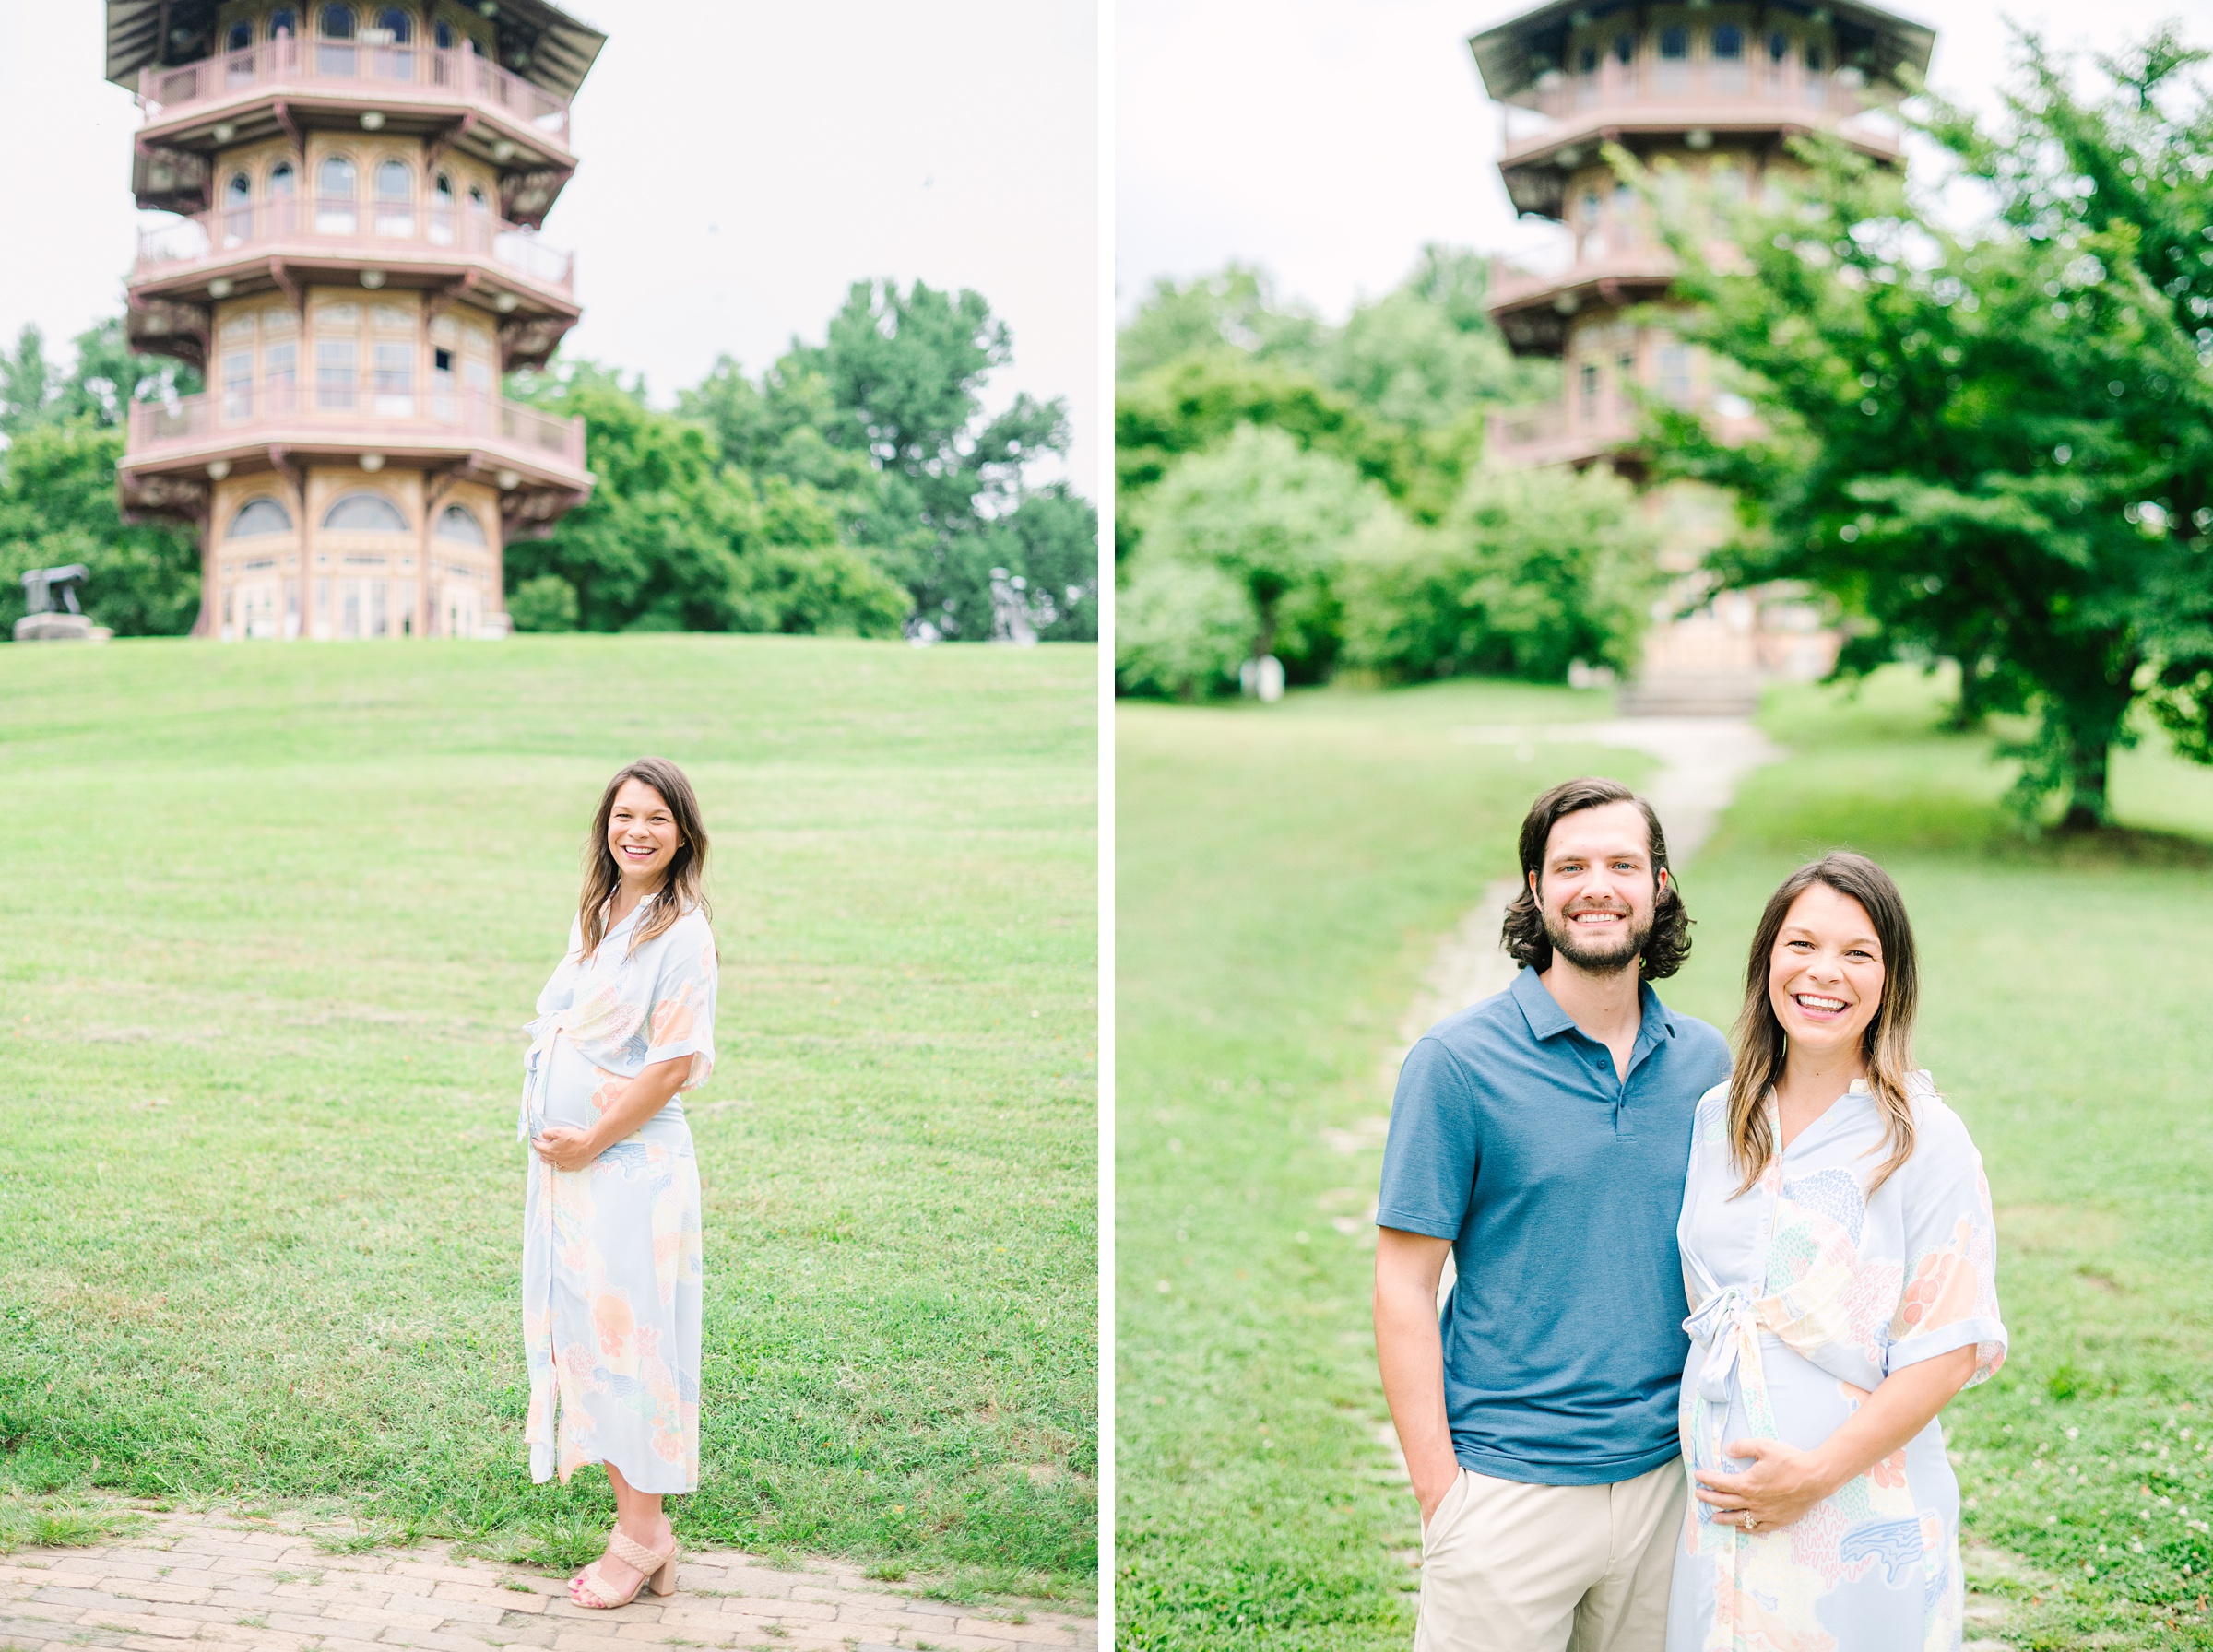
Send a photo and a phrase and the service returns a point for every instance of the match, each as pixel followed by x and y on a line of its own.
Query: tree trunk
pixel 2087 767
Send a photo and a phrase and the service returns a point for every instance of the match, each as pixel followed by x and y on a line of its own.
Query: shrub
pixel 1180 629
pixel 1530 571
pixel 545 603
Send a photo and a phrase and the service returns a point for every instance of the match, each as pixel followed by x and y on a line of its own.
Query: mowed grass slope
pixel 1283 879
pixel 270 921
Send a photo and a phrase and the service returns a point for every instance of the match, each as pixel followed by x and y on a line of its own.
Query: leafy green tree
pixel 1234 309
pixel 1530 571
pixel 777 428
pixel 884 422
pixel 1193 404
pixel 675 539
pixel 1277 520
pixel 1995 450
pixel 104 379
pixel 1401 389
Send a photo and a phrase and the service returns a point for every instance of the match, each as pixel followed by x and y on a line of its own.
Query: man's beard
pixel 1592 961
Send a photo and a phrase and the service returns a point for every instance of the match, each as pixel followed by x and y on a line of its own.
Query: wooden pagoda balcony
pixel 351 68
pixel 379 232
pixel 341 420
pixel 280 89
pixel 1562 123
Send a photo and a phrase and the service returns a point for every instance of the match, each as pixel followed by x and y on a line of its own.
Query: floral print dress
pixel 612 1258
pixel 1806 1291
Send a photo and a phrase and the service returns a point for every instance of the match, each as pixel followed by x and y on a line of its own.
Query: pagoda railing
pixel 1709 81
pixel 348 228
pixel 385 406
pixel 460 74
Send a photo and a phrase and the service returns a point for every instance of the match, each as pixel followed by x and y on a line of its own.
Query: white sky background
pixel 739 166
pixel 1326 140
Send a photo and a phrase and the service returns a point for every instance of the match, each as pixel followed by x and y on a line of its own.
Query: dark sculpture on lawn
pixel 50 613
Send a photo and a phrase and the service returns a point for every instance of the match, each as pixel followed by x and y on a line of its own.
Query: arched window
pixel 283 20
pixel 441 210
pixel 337 23
pixel 442 35
pixel 458 522
pixel 394 199
pixel 365 513
pixel 1815 60
pixel 240 39
pixel 263 516
pixel 1624 48
pixel 283 217
pixel 238 210
pixel 397 23
pixel 1675 44
pixel 1728 42
pixel 335 185
pixel 1779 46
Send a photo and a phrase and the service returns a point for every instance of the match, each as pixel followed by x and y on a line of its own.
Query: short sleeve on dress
pixel 1950 1297
pixel 682 1021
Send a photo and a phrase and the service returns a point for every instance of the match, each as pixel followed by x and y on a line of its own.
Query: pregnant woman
pixel 611 1263
pixel 1838 1244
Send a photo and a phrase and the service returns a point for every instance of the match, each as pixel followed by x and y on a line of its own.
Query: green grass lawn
pixel 1283 879
pixel 270 921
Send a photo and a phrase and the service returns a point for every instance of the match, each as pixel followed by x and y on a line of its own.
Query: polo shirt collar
pixel 1547 1018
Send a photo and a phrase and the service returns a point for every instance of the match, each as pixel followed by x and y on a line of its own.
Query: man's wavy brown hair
pixel 1523 933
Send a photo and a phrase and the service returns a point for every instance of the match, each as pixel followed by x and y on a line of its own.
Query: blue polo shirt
pixel 1559 1186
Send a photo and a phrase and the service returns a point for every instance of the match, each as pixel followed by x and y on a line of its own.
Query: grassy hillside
pixel 270 919
pixel 1283 878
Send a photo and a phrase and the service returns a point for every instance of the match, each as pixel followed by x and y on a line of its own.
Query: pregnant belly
pixel 576 1091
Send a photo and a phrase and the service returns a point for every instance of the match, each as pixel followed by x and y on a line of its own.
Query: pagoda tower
pixel 1708 95
pixel 355 263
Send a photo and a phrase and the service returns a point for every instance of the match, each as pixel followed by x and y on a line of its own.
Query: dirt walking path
pixel 197 1583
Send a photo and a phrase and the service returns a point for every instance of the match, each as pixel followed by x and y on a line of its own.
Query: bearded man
pixel 1540 1138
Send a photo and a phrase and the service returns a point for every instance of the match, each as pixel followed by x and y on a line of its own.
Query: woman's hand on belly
pixel 565 1148
pixel 1783 1484
pixel 632 1103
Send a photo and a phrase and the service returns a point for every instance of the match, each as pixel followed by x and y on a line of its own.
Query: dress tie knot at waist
pixel 530 1119
pixel 1721 1325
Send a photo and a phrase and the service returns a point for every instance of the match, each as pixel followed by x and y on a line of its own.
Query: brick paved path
pixel 192 1583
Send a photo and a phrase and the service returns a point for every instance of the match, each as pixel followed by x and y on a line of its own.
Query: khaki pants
pixel 1507 1567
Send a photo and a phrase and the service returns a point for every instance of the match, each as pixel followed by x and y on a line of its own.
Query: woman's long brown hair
pixel 679 891
pixel 1886 1046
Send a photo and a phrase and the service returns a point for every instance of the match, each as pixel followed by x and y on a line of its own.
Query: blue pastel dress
pixel 1806 1290
pixel 611 1256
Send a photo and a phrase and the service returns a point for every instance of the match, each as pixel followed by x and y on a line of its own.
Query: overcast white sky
pixel 1328 139
pixel 740 166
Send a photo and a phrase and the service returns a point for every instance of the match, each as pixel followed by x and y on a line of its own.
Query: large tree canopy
pixel 886 421
pixel 1998 447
